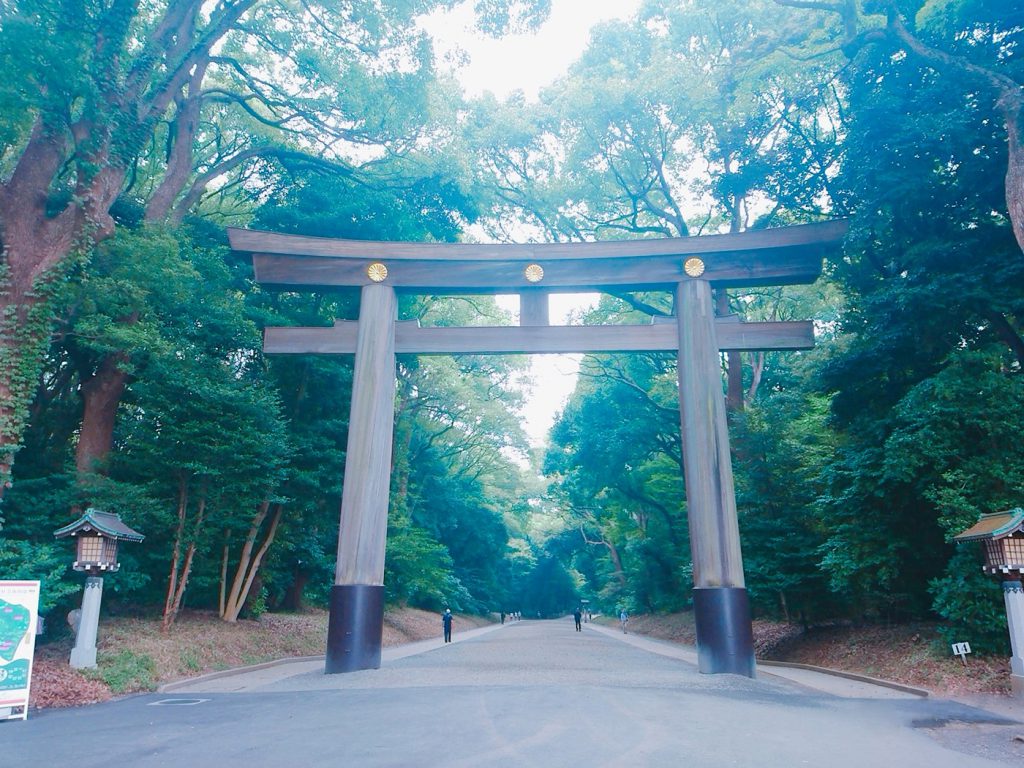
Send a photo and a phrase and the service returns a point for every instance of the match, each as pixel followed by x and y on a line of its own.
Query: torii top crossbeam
pixel 781 256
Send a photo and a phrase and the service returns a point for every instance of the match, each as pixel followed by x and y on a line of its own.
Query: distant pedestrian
pixel 623 620
pixel 502 617
pixel 578 615
pixel 446 622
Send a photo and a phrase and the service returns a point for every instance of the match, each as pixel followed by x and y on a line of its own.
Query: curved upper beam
pixel 783 255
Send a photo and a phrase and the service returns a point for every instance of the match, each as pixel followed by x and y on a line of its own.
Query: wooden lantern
pixel 1002 535
pixel 97 534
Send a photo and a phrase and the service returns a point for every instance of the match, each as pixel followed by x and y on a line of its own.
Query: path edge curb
pixel 175 684
pixel 924 694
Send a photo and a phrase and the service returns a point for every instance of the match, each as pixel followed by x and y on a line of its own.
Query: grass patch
pixel 125 671
pixel 190 660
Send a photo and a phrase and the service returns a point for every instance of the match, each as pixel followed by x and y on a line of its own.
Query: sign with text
pixel 19 615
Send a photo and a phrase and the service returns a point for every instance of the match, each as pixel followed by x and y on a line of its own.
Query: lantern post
pixel 1002 534
pixel 96 534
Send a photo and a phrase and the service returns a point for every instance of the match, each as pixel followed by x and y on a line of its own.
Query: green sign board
pixel 19 615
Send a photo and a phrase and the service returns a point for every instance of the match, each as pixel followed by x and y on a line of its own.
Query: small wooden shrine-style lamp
pixel 1002 533
pixel 97 534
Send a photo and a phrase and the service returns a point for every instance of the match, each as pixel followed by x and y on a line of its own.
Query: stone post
pixel 1013 596
pixel 83 655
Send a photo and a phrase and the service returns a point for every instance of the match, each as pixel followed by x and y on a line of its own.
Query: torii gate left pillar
pixel 356 624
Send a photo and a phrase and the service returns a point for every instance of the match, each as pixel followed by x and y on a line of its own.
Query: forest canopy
pixel 132 376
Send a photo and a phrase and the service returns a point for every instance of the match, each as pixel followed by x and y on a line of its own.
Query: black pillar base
pixel 355 628
pixel 725 640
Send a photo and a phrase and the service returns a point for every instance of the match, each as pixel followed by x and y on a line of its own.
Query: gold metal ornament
pixel 377 272
pixel 534 273
pixel 693 266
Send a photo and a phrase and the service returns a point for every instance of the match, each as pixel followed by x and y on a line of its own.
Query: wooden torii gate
pixel 690 267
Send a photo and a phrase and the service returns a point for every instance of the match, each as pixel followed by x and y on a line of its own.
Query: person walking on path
pixel 623 620
pixel 578 615
pixel 446 622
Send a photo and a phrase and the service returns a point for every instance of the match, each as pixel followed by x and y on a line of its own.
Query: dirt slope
pixel 912 654
pixel 135 655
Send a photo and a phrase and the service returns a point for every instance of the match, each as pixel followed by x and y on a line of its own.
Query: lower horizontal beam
pixel 410 338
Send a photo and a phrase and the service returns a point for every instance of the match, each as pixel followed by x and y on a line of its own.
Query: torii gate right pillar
pixel 725 640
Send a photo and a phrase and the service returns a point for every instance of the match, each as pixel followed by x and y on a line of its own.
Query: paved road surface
pixel 525 694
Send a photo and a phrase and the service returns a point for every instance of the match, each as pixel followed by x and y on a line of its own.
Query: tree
pixel 617 469
pixel 968 44
pixel 97 87
pixel 686 120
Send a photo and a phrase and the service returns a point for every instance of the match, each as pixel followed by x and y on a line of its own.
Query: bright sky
pixel 523 62
pixel 528 63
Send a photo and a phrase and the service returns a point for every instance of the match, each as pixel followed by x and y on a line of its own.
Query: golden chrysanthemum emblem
pixel 377 272
pixel 534 273
pixel 693 266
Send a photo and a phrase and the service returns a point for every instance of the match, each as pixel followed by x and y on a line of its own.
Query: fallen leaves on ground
pixel 912 654
pixel 199 642
pixel 56 684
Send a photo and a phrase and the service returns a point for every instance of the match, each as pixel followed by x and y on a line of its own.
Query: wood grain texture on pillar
pixel 534 308
pixel 362 535
pixel 710 497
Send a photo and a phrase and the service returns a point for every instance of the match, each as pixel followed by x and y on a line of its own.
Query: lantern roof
pixel 104 523
pixel 995 525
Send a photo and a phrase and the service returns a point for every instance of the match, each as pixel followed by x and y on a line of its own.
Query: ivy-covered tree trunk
pixel 78 151
pixel 24 336
pixel 36 248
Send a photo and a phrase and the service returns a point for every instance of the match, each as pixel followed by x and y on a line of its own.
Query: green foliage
pixel 256 605
pixel 47 563
pixel 971 603
pixel 549 591
pixel 854 464
pixel 125 671
pixel 190 660
pixel 418 570
pixel 781 444
pixel 615 457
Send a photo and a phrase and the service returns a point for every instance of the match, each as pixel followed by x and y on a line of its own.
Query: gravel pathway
pixel 526 694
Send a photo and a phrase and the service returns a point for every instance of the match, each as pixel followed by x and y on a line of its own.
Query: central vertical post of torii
pixel 725 640
pixel 356 623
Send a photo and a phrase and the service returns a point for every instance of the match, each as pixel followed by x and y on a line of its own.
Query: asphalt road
pixel 527 694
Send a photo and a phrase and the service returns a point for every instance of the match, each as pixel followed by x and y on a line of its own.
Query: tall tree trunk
pixel 179 534
pixel 755 379
pixel 171 611
pixel 36 248
pixel 401 464
pixel 135 89
pixel 101 395
pixel 293 595
pixel 249 566
pixel 1012 104
pixel 225 552
pixel 733 360
pixel 613 553
pixel 233 605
